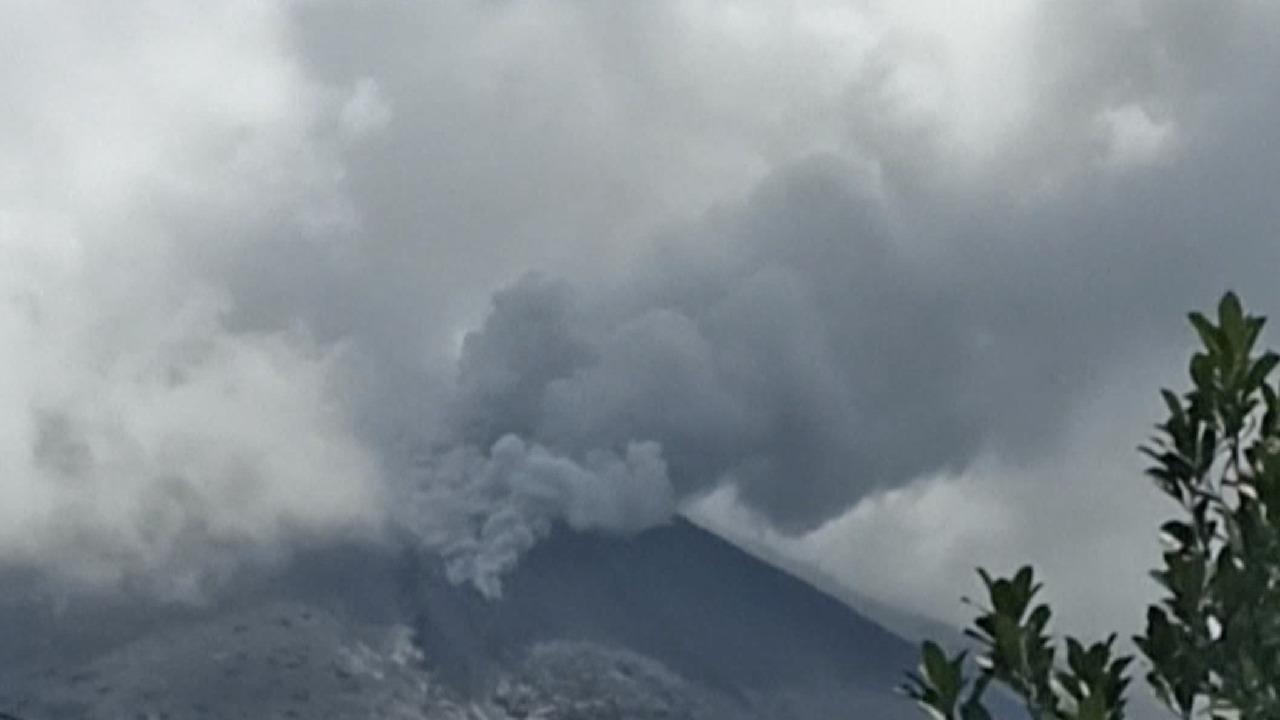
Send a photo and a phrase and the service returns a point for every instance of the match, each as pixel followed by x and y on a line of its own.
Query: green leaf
pixel 1260 370
pixel 1202 374
pixel 1177 534
pixel 1004 599
pixel 1093 707
pixel 1231 321
pixel 1272 404
pixel 1255 325
pixel 1023 579
pixel 1039 618
pixel 1213 338
pixel 1075 656
pixel 1173 403
pixel 936 667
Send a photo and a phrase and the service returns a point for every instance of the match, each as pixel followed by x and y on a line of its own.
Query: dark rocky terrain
pixel 674 623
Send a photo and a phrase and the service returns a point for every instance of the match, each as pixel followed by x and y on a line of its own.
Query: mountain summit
pixel 671 623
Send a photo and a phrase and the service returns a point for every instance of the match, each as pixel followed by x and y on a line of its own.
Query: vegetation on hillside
pixel 1211 647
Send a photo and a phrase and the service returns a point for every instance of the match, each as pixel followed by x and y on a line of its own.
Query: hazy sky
pixel 888 285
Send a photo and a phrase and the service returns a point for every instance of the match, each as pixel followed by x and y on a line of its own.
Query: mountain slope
pixel 695 603
pixel 673 623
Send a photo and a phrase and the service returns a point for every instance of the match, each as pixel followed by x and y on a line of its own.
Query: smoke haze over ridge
pixel 283 270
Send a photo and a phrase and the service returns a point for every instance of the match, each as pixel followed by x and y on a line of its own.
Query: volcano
pixel 671 623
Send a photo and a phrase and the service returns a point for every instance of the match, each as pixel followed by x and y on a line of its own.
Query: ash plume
pixel 248 258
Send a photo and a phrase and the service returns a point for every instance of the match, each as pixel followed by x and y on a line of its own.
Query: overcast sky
pixel 889 286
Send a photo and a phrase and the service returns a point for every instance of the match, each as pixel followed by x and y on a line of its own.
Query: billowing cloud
pixel 142 439
pixel 840 333
pixel 480 511
pixel 266 269
pixel 780 366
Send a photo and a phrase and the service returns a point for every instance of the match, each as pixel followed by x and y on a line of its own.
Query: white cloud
pixel 141 438
pixel 1132 138
pixel 965 70
pixel 366 111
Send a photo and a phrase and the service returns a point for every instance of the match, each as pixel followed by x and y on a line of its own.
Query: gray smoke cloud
pixel 839 333
pixel 486 509
pixel 778 367
pixel 806 253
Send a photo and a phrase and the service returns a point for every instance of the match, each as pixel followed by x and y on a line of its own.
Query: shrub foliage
pixel 1211 647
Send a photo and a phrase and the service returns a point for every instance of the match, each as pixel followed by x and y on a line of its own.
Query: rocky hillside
pixel 674 623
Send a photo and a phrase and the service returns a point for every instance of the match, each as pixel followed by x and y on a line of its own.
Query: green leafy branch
pixel 1212 643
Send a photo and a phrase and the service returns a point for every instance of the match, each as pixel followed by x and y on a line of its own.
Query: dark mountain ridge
pixel 674 622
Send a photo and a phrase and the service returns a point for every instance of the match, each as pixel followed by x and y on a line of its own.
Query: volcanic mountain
pixel 671 623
